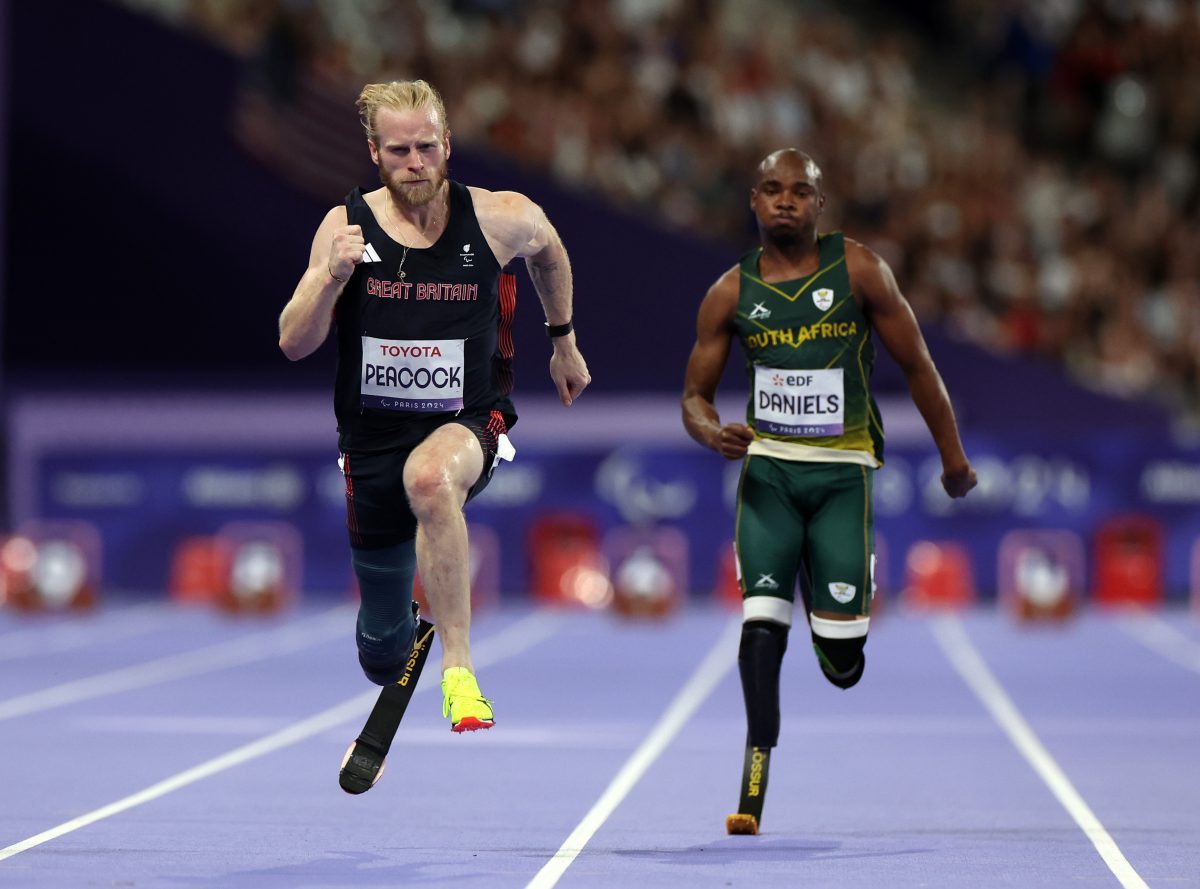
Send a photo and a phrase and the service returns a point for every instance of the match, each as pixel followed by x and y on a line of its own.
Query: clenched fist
pixel 732 440
pixel 345 252
pixel 958 479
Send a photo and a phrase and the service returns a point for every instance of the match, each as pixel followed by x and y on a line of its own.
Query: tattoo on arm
pixel 552 280
pixel 549 278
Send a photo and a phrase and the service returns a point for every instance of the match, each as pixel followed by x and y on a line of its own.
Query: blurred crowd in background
pixel 1028 167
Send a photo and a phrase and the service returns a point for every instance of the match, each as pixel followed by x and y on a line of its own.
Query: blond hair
pixel 399 95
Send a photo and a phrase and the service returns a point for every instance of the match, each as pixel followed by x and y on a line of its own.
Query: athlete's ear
pixel 374 149
pixel 446 142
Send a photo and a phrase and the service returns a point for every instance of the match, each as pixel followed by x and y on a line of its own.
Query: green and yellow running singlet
pixel 809 358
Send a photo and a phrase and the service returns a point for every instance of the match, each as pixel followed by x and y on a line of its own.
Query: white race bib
pixel 412 375
pixel 808 403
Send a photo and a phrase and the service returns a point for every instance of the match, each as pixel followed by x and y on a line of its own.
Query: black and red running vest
pixel 452 291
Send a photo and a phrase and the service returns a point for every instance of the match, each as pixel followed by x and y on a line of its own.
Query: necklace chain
pixel 387 208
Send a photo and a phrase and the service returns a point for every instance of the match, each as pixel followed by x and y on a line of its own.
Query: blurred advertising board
pixel 148 474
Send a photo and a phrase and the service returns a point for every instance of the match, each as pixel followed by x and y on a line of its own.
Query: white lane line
pixel 82 631
pixel 508 642
pixel 235 652
pixel 250 726
pixel 712 669
pixel 956 645
pixel 1159 636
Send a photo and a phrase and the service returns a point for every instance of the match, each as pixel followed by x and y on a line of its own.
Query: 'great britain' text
pixel 422 291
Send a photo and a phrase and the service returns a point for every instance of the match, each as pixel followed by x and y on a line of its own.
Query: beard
pixel 414 195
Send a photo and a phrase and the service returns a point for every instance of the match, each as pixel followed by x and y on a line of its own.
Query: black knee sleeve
pixel 842 660
pixel 760 656
pixel 386 621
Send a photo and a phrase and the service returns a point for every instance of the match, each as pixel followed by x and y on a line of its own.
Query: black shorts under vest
pixel 377 510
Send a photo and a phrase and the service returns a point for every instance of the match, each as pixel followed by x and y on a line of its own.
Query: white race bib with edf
pixel 412 375
pixel 809 403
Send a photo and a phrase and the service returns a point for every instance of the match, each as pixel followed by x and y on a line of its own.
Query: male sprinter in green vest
pixel 803 305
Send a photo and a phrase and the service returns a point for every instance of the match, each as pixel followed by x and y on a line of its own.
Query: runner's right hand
pixel 346 251
pixel 733 439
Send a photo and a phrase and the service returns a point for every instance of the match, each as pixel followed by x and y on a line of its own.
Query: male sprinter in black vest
pixel 803 306
pixel 413 275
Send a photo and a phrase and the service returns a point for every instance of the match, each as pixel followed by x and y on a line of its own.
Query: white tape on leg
pixel 770 608
pixel 839 629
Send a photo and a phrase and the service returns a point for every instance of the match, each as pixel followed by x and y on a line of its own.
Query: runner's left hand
pixel 568 370
pixel 958 480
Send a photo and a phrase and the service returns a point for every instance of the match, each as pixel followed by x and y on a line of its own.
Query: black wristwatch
pixel 553 330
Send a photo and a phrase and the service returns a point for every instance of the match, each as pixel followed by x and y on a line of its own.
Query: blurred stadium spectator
pixel 1029 168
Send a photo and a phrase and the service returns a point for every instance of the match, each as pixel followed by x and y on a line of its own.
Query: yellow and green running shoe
pixel 462 701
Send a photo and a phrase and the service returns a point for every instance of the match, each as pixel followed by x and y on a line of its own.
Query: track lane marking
pixel 257 646
pixel 82 631
pixel 963 656
pixel 510 641
pixel 719 661
pixel 1163 639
